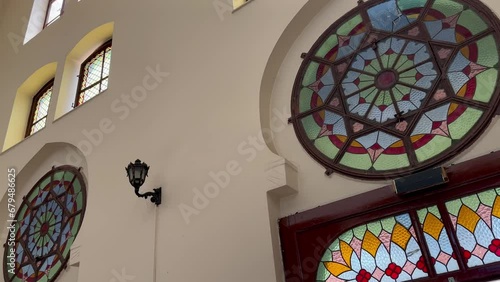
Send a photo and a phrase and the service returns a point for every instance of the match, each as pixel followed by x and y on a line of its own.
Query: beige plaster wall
pixel 186 96
pixel 188 124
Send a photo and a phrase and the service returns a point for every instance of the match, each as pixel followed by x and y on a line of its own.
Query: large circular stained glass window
pixel 48 221
pixel 397 86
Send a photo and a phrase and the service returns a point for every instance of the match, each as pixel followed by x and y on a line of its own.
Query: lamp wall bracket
pixel 155 195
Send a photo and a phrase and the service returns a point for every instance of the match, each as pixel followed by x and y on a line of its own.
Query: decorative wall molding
pixel 282 178
pixel 74 257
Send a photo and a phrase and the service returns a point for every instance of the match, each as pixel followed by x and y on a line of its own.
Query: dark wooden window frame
pixel 79 91
pixel 34 104
pixel 306 235
pixel 45 23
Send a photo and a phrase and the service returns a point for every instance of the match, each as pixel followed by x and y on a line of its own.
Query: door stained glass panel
pixel 385 250
pixel 438 242
pixel 476 220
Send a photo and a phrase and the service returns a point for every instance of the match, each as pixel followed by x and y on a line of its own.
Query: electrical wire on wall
pixel 155 241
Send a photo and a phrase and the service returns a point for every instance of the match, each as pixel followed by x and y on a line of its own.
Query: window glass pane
pixel 95 74
pixel 93 71
pixel 40 111
pixel 104 85
pixel 476 220
pixel 89 94
pixel 39 125
pixel 107 62
pixel 437 240
pixel 385 250
pixel 42 107
pixel 54 12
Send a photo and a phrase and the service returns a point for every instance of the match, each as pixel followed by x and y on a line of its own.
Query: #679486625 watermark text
pixel 11 221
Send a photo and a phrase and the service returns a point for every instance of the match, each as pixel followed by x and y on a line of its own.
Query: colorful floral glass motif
pixel 48 221
pixel 438 242
pixel 396 85
pixel 385 250
pixel 476 220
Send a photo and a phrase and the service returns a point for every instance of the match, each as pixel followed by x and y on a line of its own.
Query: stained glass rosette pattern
pixel 398 85
pixel 476 220
pixel 48 221
pixel 385 250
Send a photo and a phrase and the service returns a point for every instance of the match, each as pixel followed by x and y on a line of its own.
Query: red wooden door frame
pixel 305 235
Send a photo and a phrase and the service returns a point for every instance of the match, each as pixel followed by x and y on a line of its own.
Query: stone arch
pixel 52 154
pixel 286 40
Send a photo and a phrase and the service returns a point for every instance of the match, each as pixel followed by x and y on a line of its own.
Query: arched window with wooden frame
pixel 39 109
pixel 448 233
pixel 94 74
pixel 54 11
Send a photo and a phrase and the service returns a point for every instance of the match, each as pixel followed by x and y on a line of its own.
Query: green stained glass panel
pixel 465 123
pixel 79 201
pixel 323 273
pixel 77 186
pixel 58 175
pixel 487 53
pixel 311 127
pixel 357 161
pixel 437 145
pixel 472 21
pixel 350 25
pixel 68 176
pixel 447 7
pixel 311 74
pixel 344 41
pixel 325 146
pixel 305 99
pixel 388 162
pixel 358 232
pixel 331 42
pixel 486 85
pixel 407 5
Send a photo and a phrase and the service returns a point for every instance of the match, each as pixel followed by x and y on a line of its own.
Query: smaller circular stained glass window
pixel 397 86
pixel 46 224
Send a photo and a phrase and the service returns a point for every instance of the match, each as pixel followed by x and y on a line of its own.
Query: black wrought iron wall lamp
pixel 137 173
